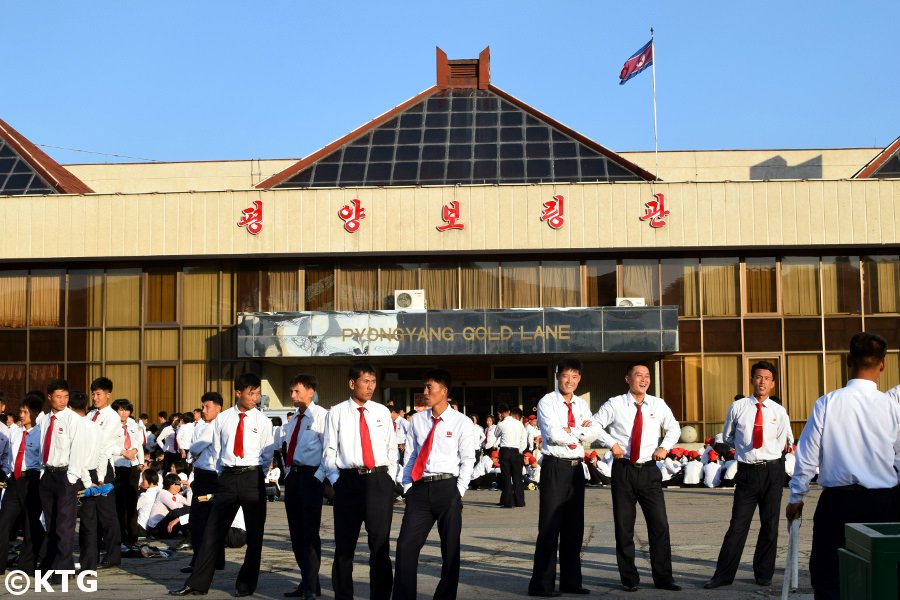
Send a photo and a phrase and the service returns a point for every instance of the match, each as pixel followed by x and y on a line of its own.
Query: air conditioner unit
pixel 409 299
pixel 631 302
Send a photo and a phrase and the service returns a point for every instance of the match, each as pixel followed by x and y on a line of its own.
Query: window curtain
pixel 280 290
pixel 123 345
pixel 800 286
pixel 601 282
pixel 13 285
pixel 804 384
pixel 318 289
pixel 46 298
pixel 160 344
pixel 441 285
pixel 840 285
pixel 561 284
pixel 201 295
pixel 882 277
pixel 693 388
pixel 761 286
pixel 161 294
pixel 397 277
pixel 640 279
pixel 891 375
pixel 123 298
pixel 357 288
pixel 720 286
pixel 721 381
pixel 835 374
pixel 480 285
pixel 193 382
pixel 680 285
pixel 520 285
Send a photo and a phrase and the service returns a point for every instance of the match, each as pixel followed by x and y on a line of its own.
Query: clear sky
pixel 212 80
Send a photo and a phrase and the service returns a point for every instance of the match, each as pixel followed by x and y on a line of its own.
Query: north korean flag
pixel 639 61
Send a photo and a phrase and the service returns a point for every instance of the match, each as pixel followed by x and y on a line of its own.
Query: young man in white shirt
pixel 435 479
pixel 712 472
pixel 243 441
pixel 167 441
pixel 127 473
pixel 111 444
pixel 360 459
pixel 759 429
pixel 634 420
pixel 565 423
pixel 852 422
pixel 303 484
pixel 21 500
pixel 511 440
pixel 170 509
pixel 60 437
pixel 204 459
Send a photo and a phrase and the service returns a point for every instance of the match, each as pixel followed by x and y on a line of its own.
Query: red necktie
pixel 293 445
pixel 20 455
pixel 571 423
pixel 127 437
pixel 365 440
pixel 144 433
pixel 425 452
pixel 636 430
pixel 96 414
pixel 758 427
pixel 48 437
pixel 239 436
pixel 175 436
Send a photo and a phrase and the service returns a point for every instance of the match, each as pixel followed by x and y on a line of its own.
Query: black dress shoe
pixel 105 565
pixel 578 590
pixel 186 591
pixel 630 588
pixel 671 586
pixel 715 583
pixel 187 569
pixel 763 582
pixel 544 594
pixel 299 593
pixel 243 592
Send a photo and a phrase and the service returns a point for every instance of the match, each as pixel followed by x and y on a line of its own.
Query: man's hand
pixel 618 451
pixel 171 525
pixel 130 453
pixel 660 454
pixel 586 423
pixel 794 511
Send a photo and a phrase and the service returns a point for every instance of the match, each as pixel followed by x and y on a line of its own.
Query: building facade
pixel 515 240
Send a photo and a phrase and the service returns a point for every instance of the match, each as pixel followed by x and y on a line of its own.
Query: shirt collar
pixel 863 383
pixel 632 401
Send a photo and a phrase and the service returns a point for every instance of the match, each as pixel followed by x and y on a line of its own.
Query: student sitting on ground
pixel 169 515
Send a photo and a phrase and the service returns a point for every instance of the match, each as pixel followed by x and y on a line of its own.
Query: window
pixel 561 283
pixel 601 282
pixel 357 288
pixel 46 298
pixel 840 285
pixel 319 288
pixel 882 284
pixel 800 285
pixel 13 286
pixel 123 297
pixel 441 285
pixel 681 285
pixel 640 279
pixel 397 277
pixel 520 285
pixel 480 285
pixel 761 285
pixel 720 286
pixel 201 296
pixel 280 289
pixel 161 307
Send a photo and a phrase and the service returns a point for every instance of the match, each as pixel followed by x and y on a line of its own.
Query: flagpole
pixel 655 131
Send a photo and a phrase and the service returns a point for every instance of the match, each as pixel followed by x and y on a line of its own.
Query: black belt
pixel 760 464
pixel 627 461
pixel 438 477
pixel 303 468
pixel 61 469
pixel 571 462
pixel 235 470
pixel 365 471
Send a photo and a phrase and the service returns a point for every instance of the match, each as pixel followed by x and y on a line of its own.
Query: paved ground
pixel 498 545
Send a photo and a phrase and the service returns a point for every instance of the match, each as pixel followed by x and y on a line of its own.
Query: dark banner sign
pixel 459 332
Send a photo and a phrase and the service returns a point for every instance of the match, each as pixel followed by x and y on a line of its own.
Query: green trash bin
pixel 869 561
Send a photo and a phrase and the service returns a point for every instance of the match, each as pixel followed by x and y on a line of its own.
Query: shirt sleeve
pixel 807 457
pixel 671 427
pixel 466 459
pixel 329 447
pixel 552 432
pixel 412 451
pixel 266 442
pixel 602 419
pixel 77 468
pixel 728 430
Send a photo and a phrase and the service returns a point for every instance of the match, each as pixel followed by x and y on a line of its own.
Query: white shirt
pixel 490 436
pixel 165 502
pixel 278 435
pixel 731 467
pixel 894 393
pixel 90 451
pixel 202 451
pixel 693 470
pixel 738 432
pixel 184 435
pixel 484 466
pixel 617 416
pixel 310 439
pixel 5 444
pixel 511 434
pixel 342 446
pixel 553 419
pixel 529 436
pixel 451 447
pixel 853 437
pixel 31 460
pixel 604 465
pixel 478 436
pixel 401 427
pixel 789 462
pixel 136 437
pixel 112 436
pixel 273 475
pixel 67 428
pixel 712 474
pixel 166 439
pixel 533 473
pixel 259 444
pixel 145 504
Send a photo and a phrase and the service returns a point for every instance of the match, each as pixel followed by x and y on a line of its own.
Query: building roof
pixel 885 164
pixel 461 130
pixel 26 169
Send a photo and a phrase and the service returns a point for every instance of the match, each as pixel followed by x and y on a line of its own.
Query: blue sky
pixel 206 80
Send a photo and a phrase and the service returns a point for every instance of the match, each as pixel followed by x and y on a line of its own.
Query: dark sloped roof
pixel 462 130
pixel 26 169
pixel 885 164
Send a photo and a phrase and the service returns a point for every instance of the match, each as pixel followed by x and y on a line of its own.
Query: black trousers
pixel 246 490
pixel 512 484
pixel 58 504
pixel 98 520
pixel 169 459
pixel 427 503
pixel 303 495
pixel 632 485
pixel 126 484
pixel 560 526
pixel 22 502
pixel 362 499
pixel 161 530
pixel 205 482
pixel 755 486
pixel 837 507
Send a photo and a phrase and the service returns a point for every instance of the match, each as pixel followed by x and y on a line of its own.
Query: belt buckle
pixel 363 471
